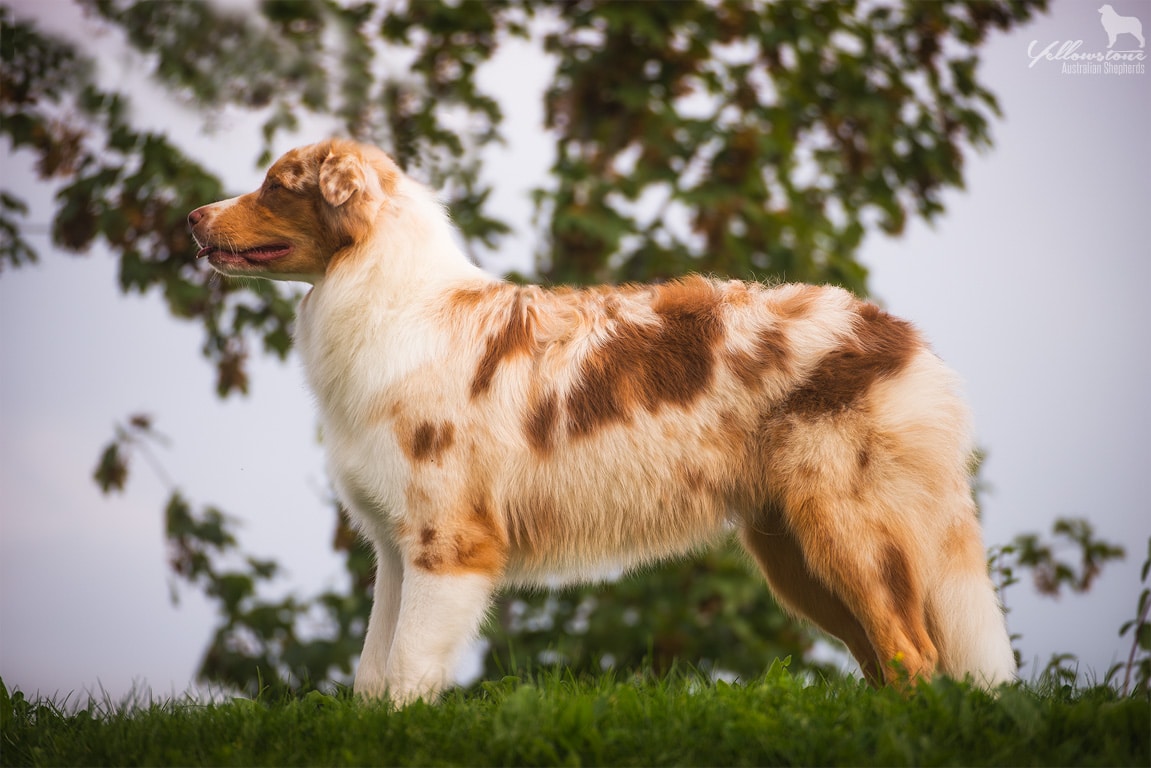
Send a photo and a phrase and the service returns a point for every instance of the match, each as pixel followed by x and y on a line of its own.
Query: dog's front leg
pixel 371 675
pixel 439 614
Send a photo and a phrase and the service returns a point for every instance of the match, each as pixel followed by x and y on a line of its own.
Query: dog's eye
pixel 272 185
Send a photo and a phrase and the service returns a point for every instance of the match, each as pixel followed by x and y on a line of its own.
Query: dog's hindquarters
pixel 871 532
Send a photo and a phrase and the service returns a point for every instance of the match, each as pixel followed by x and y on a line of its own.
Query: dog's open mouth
pixel 251 255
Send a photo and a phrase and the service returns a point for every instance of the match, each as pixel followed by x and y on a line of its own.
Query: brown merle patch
pixel 796 304
pixel 513 338
pixel 428 440
pixel 904 594
pixel 542 421
pixel 473 543
pixel 881 347
pixel 641 365
pixel 769 353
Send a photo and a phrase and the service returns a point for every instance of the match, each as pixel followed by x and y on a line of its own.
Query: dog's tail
pixel 965 618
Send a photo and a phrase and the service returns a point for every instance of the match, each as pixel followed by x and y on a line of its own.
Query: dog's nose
pixel 195 216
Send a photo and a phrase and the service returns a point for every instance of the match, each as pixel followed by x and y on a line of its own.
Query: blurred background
pixel 165 519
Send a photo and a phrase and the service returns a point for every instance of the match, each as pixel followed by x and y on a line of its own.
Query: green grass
pixel 556 720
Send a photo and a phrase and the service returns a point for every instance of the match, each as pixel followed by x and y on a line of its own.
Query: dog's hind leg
pixel 854 580
pixel 870 573
pixel 847 543
pixel 796 588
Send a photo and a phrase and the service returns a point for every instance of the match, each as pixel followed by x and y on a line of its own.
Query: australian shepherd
pixel 483 433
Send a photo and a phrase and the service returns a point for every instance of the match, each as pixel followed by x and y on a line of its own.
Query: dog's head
pixel 315 201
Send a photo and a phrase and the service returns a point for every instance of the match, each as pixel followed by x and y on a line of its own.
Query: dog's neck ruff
pixel 375 296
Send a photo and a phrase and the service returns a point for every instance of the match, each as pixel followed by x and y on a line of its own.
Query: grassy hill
pixel 556 720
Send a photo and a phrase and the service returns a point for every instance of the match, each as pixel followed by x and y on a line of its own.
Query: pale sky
pixel 1031 286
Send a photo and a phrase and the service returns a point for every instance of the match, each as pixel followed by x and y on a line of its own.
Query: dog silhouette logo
pixel 1116 25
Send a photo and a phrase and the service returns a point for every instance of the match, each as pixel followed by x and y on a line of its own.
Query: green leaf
pixel 112 469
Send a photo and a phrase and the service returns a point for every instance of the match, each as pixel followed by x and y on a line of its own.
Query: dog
pixel 483 433
pixel 1115 25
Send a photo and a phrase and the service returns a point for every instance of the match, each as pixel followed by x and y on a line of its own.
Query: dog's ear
pixel 342 175
pixel 355 181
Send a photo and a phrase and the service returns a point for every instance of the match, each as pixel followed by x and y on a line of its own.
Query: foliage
pixel 261 645
pixel 131 188
pixel 1049 573
pixel 713 610
pixel 14 249
pixel 1137 668
pixel 778 131
pixel 728 137
pixel 553 719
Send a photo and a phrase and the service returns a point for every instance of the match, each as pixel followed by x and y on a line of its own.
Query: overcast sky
pixel 1034 286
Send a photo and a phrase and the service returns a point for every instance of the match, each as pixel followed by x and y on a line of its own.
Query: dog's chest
pixel 374 373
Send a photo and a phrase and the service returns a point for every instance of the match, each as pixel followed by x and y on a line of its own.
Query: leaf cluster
pixel 1052 572
pixel 1137 668
pixel 741 138
pixel 275 645
pixel 1049 572
pixel 263 644
pixel 713 610
pixel 128 188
